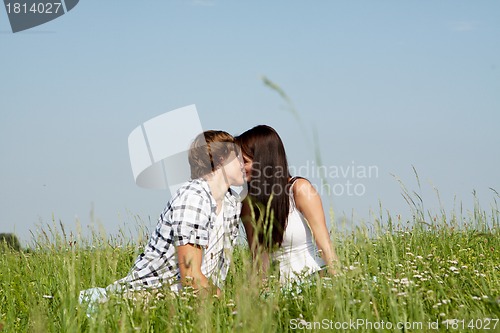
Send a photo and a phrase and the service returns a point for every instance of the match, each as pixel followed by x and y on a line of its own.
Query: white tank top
pixel 298 255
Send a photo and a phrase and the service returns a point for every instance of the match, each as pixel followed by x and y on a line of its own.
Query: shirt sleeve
pixel 191 220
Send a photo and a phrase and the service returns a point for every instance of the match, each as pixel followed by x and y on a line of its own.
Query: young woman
pixel 197 230
pixel 283 216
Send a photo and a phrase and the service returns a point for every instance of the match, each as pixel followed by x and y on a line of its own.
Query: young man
pixel 197 230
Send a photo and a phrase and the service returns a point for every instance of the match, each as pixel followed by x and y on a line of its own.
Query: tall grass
pixel 431 274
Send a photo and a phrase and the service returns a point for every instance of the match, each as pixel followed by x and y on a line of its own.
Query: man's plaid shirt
pixel 187 219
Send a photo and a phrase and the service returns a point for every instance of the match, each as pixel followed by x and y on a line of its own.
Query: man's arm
pixel 190 259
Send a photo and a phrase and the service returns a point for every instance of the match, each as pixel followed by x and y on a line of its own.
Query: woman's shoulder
pixel 299 183
pixel 303 190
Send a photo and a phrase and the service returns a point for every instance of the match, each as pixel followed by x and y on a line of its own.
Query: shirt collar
pixel 228 197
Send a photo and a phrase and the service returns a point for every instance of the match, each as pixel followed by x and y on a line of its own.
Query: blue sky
pixel 389 84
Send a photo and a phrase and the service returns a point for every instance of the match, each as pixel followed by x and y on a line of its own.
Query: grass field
pixel 435 273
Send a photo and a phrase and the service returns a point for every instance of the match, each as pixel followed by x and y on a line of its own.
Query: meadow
pixel 433 273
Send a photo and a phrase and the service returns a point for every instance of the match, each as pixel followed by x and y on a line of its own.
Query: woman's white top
pixel 298 255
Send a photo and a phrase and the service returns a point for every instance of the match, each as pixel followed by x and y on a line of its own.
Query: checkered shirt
pixel 188 218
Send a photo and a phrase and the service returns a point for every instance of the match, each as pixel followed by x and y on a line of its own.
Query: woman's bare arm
pixel 308 202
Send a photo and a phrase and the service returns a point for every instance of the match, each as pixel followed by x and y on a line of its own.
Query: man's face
pixel 234 170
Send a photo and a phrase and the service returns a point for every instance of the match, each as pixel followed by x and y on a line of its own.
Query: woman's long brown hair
pixel 268 186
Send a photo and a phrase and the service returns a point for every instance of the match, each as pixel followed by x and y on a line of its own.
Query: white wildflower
pixel 435 306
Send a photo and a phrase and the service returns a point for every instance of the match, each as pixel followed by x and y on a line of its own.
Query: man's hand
pixel 190 259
